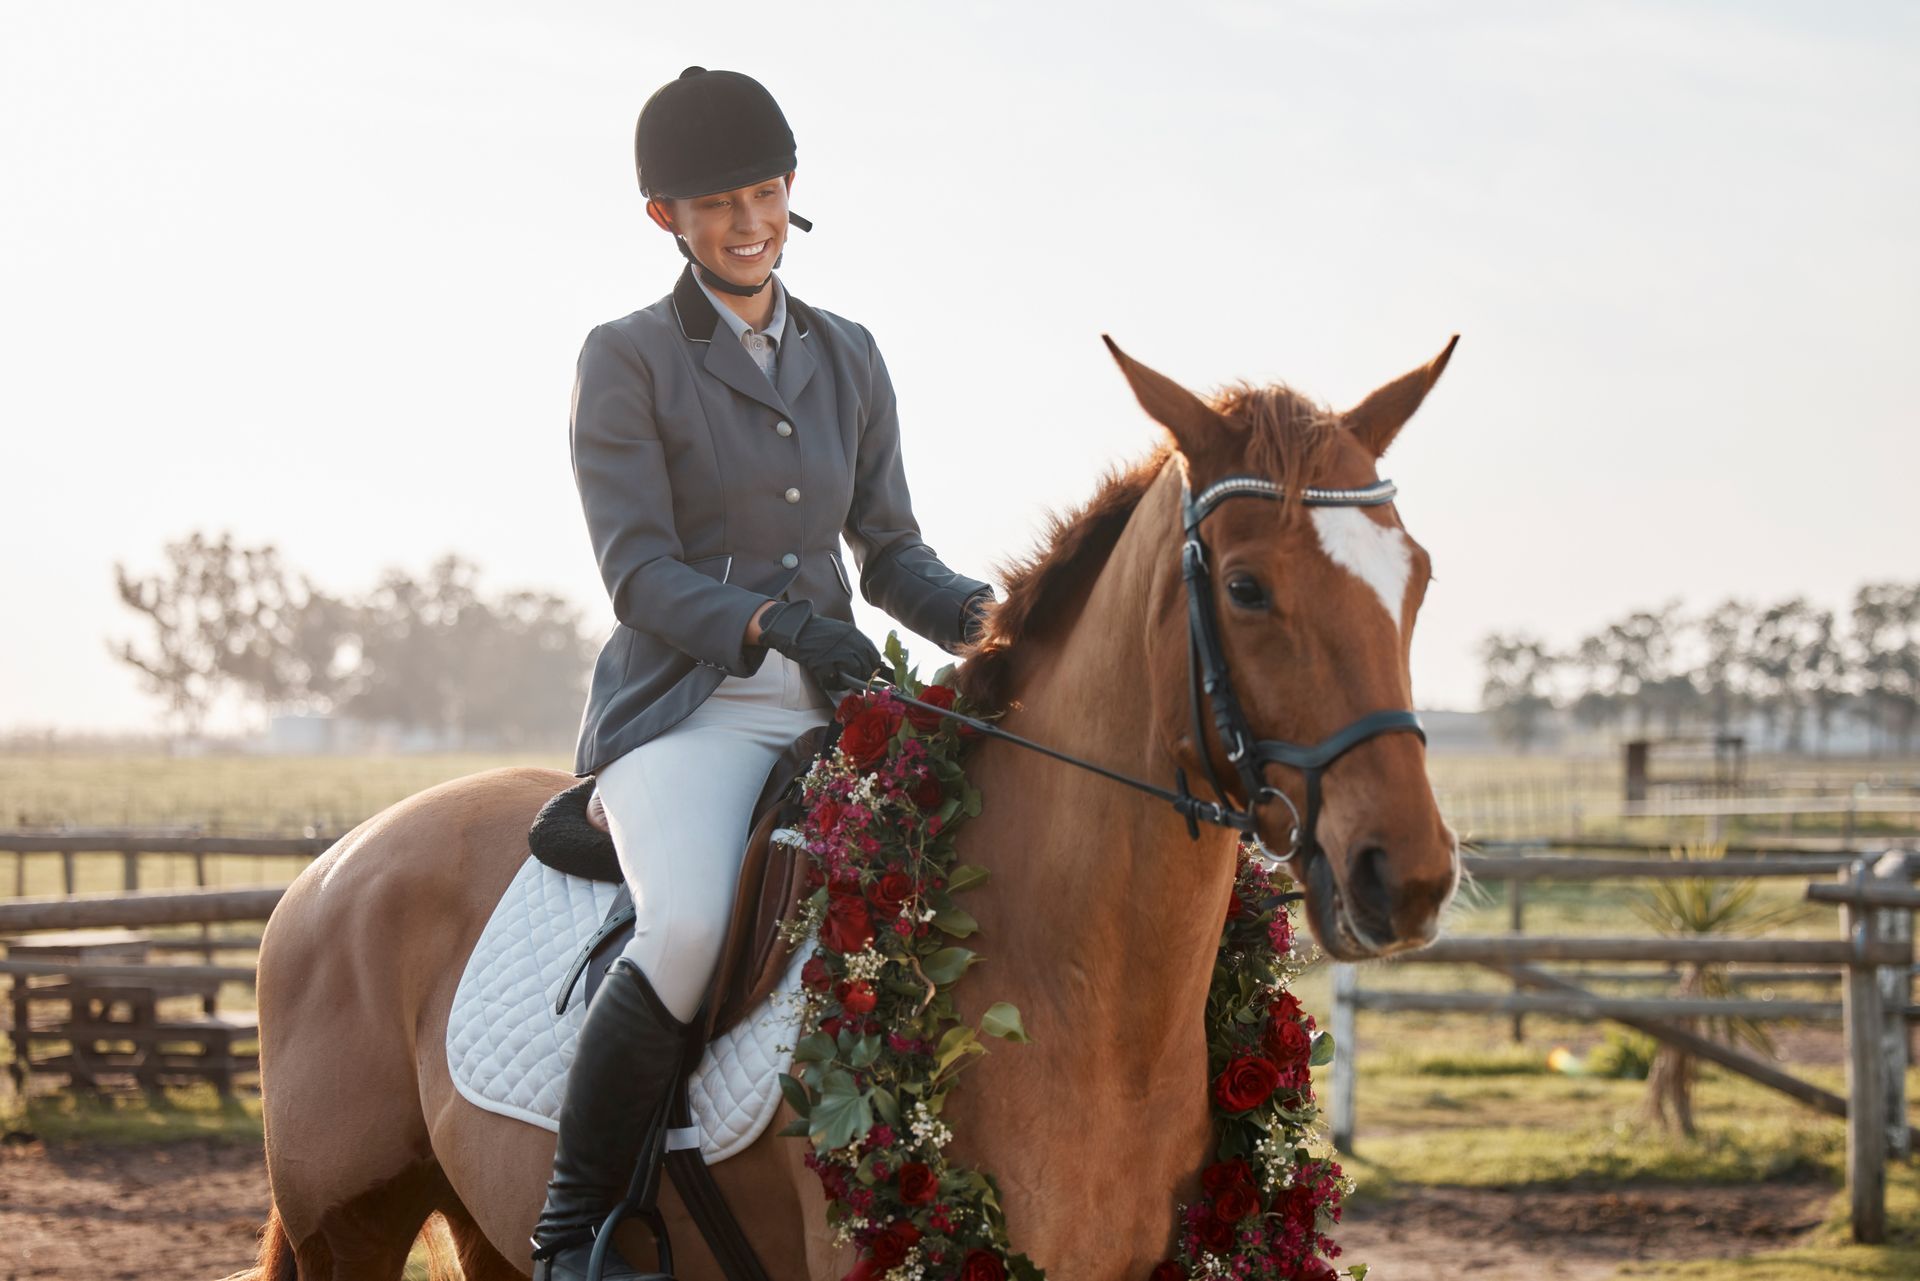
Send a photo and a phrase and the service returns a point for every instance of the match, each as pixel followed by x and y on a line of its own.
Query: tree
pixel 1886 635
pixel 1519 669
pixel 212 611
pixel 1724 677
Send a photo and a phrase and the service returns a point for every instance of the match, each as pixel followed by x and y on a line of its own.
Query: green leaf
pixel 956 921
pixel 897 656
pixel 1358 1272
pixel 796 1094
pixel 971 804
pixel 944 676
pixel 815 1048
pixel 885 1106
pixel 840 1113
pixel 946 965
pixel 948 808
pixel 865 1051
pixel 1322 1049
pixel 1002 1019
pixel 965 877
pixel 957 1041
pixel 795 1129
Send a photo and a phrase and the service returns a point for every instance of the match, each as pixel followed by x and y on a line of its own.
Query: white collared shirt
pixel 763 344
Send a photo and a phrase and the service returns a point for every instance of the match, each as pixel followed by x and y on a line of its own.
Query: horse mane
pixel 1288 438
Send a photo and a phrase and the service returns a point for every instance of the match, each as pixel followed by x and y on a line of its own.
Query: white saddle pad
pixel 509 1053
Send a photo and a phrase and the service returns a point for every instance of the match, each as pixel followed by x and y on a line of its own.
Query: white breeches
pixel 677 807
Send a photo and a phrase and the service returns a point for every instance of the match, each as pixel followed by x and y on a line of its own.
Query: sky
pixel 318 275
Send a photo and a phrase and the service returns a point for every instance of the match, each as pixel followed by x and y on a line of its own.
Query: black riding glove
pixel 834 653
pixel 973 615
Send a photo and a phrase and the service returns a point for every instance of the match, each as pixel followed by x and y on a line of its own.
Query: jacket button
pixel 790 561
pixel 784 427
pixel 793 495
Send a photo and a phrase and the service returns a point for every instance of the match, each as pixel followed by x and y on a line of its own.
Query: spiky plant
pixel 1703 907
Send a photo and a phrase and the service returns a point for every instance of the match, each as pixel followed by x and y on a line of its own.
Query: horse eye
pixel 1246 592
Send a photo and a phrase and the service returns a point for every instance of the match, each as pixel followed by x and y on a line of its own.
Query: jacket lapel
pixel 726 359
pixel 796 363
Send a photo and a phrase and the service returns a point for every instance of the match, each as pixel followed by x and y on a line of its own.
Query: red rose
pixel 1235 1203
pixel 826 814
pixel 852 705
pixel 814 974
pixel 856 997
pixel 865 1270
pixel 918 1184
pixel 865 739
pixel 1216 1235
pixel 1221 1175
pixel 929 793
pixel 939 696
pixel 1246 1083
pixel 891 1246
pixel 1168 1271
pixel 982 1265
pixel 1315 1269
pixel 1287 1043
pixel 1285 1006
pixel 891 892
pixel 848 928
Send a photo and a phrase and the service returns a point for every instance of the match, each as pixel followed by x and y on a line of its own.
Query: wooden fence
pixel 1873 957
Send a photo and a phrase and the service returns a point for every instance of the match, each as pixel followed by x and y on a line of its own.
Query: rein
pixel 1210 681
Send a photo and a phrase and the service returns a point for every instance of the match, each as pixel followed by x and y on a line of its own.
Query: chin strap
pixel 716 281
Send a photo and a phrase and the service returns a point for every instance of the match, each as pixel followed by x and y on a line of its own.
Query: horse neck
pixel 1111 910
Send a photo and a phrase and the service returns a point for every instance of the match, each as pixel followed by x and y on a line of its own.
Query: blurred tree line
pixel 426 653
pixel 1796 667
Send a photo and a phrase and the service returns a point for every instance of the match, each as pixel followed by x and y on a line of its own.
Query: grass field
pixel 1443 1100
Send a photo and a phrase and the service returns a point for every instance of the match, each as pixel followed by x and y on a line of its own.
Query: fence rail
pixel 1873 956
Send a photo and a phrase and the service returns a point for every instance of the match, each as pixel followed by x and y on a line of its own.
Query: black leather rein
pixel 1208 676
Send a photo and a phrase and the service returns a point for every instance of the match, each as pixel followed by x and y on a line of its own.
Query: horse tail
pixel 276 1261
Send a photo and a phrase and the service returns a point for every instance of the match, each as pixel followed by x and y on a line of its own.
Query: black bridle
pixel 1208 674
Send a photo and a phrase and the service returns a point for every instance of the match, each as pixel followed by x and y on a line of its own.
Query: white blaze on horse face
pixel 1378 554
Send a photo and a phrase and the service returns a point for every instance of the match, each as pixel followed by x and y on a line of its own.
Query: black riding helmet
pixel 712 131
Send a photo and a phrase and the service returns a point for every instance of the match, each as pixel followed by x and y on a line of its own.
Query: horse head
pixel 1313 604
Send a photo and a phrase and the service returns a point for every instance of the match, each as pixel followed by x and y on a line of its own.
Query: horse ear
pixel 1379 418
pixel 1194 426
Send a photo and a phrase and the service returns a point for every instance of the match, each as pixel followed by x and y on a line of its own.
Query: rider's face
pixel 717 225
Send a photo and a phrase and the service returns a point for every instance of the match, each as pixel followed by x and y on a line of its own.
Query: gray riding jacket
pixel 710 490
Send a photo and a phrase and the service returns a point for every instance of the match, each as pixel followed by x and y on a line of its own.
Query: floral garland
pixel 881 1044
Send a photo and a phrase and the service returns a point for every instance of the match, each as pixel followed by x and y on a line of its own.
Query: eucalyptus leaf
pixel 956 921
pixel 946 965
pixel 1002 1019
pixel 1322 1049
pixel 796 1094
pixel 965 876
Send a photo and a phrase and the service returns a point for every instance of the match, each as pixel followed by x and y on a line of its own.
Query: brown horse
pixel 1100 921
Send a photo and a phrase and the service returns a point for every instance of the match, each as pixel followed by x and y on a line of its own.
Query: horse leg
pixel 479 1261
pixel 369 1237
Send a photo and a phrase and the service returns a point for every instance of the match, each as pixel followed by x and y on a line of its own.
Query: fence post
pixel 1517 922
pixel 1896 991
pixel 1866 1073
pixel 1346 980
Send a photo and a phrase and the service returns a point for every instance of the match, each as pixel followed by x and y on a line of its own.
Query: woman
pixel 723 439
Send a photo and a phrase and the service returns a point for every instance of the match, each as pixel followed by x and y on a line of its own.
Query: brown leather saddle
pixel 772 876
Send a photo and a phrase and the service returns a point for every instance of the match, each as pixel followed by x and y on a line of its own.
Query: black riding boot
pixel 630 1049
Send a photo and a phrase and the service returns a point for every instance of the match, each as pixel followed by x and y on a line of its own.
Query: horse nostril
pixel 1370 899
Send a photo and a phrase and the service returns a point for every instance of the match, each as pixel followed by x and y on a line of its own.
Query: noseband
pixel 1207 672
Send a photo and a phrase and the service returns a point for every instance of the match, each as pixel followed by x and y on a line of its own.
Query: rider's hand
pixel 833 652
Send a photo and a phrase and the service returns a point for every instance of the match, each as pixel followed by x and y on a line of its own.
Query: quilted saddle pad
pixel 509 1053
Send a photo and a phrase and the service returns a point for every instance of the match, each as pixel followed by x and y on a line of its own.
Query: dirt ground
pixel 189 1211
